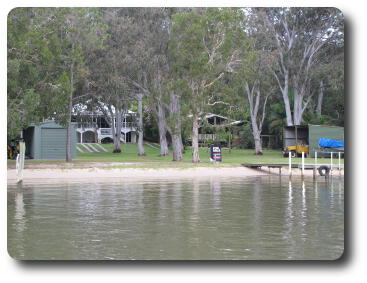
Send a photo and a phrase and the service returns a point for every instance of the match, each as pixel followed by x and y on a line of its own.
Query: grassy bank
pixel 130 158
pixel 129 154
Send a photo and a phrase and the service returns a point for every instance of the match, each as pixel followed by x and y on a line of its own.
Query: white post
pixel 81 137
pixel 339 163
pixel 303 163
pixel 331 163
pixel 20 162
pixel 290 163
pixel 17 167
pixel 315 165
pixel 315 159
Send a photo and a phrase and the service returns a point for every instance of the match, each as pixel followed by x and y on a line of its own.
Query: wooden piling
pixel 331 163
pixel 303 163
pixel 290 164
pixel 315 166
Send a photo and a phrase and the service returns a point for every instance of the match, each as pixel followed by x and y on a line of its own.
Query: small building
pixel 310 135
pixel 213 122
pixel 47 140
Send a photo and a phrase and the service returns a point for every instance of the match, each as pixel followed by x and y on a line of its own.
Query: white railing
pixel 87 125
pixel 83 125
pixel 204 137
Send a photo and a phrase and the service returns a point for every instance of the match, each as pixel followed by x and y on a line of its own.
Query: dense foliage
pixel 268 67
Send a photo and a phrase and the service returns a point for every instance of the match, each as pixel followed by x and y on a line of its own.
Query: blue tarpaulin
pixel 330 143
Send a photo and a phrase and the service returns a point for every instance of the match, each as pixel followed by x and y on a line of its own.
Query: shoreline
pixel 58 175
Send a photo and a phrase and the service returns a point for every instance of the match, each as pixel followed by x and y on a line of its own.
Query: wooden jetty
pixel 279 165
pixel 287 166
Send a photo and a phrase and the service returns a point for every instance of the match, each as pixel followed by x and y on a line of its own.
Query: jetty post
pixel 315 166
pixel 331 163
pixel 339 164
pixel 19 164
pixel 290 164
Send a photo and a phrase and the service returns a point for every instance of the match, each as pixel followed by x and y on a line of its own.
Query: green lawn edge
pixel 129 158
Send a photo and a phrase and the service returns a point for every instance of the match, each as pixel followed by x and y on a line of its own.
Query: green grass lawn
pixel 229 158
pixel 152 159
pixel 129 154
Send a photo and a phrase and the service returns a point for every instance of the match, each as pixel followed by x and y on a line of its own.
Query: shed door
pixel 53 143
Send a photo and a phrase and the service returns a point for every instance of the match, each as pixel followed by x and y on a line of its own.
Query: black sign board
pixel 215 152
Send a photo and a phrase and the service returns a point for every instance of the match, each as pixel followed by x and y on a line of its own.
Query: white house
pixel 92 127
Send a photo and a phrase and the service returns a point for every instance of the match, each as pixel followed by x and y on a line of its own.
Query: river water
pixel 210 219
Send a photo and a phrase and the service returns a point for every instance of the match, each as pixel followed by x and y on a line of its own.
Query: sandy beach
pixel 84 174
pixel 57 175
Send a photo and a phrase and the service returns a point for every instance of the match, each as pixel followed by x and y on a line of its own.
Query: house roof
pixel 82 109
pixel 230 121
pixel 210 115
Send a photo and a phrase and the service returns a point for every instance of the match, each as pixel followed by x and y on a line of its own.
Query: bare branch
pixel 219 102
pixel 263 112
pixel 212 82
pixel 277 79
pixel 137 85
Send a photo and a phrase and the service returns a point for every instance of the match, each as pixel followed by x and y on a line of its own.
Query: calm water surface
pixel 241 218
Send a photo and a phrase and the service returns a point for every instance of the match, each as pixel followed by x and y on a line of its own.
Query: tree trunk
pixel 320 98
pixel 175 130
pixel 162 127
pixel 286 100
pixel 181 143
pixel 140 127
pixel 117 135
pixel 297 106
pixel 256 133
pixel 176 147
pixel 70 109
pixel 254 111
pixel 195 139
pixel 69 130
pixel 113 128
pixel 258 143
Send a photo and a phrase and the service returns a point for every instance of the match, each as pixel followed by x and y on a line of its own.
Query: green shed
pixel 47 140
pixel 310 135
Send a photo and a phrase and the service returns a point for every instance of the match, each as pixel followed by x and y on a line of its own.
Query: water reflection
pixel 19 207
pixel 304 206
pixel 216 193
pixel 240 218
pixel 19 221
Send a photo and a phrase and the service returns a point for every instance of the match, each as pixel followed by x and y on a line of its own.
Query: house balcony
pixel 126 129
pixel 86 125
pixel 205 137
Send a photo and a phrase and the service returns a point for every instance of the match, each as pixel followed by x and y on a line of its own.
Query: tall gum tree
pixel 138 50
pixel 299 35
pixel 112 90
pixel 154 26
pixel 254 76
pixel 203 49
pixel 82 32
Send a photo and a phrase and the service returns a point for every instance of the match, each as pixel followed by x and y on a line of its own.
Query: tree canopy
pixel 269 67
